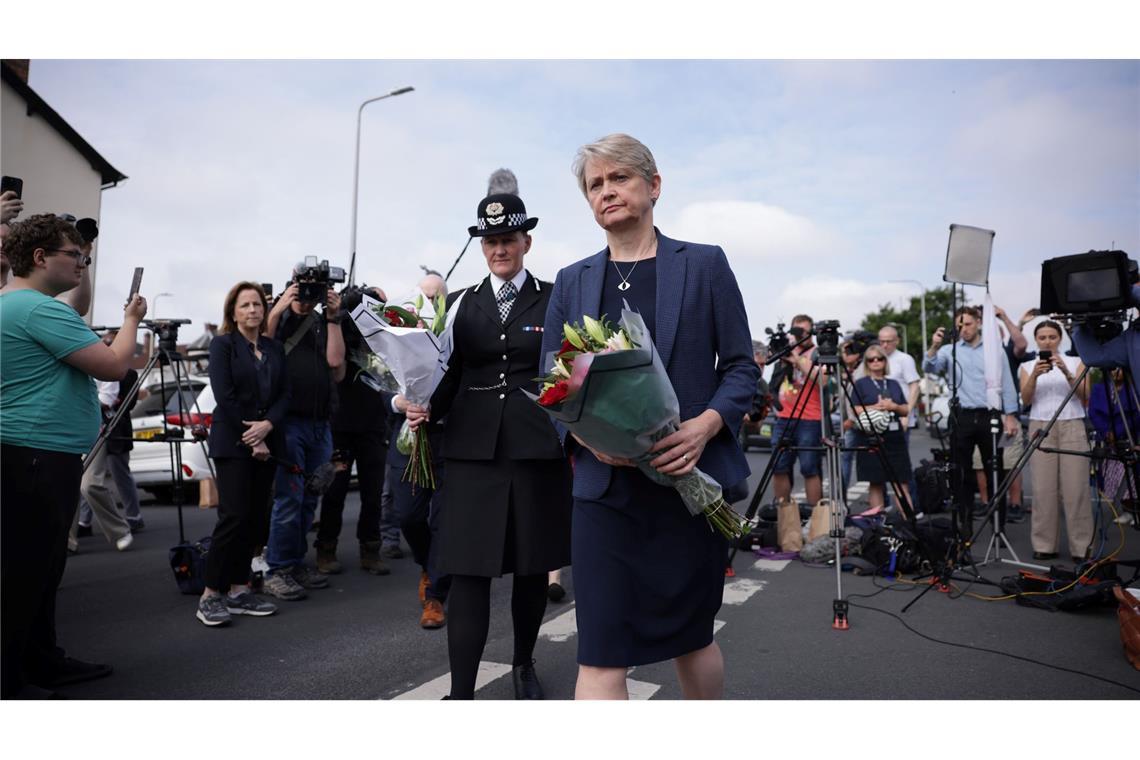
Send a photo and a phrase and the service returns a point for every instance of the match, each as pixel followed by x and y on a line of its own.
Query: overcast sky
pixel 821 180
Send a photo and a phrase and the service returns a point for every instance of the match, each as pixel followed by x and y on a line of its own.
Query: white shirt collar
pixel 498 282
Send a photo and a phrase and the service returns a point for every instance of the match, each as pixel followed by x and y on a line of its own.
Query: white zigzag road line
pixel 560 628
pixel 438 687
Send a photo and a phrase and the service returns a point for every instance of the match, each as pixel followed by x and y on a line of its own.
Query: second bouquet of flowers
pixel 413 340
pixel 607 385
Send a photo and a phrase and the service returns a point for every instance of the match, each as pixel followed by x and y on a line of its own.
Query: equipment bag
pixel 891 550
pixel 933 490
pixel 188 561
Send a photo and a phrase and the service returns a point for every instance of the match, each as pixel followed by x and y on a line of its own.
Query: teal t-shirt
pixel 44 402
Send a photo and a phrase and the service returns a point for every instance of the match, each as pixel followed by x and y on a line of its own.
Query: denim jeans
pixel 805 433
pixel 308 444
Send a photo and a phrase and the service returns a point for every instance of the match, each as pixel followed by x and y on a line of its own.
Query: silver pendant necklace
pixel 624 285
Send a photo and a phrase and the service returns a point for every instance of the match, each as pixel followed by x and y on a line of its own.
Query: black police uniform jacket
pixel 507 492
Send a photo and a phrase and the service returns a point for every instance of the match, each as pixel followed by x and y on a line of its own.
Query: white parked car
pixel 151 457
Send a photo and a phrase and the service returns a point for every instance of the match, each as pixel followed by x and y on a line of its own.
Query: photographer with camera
pixel 315 359
pixel 797 374
pixel 971 421
pixel 1045 382
pixel 49 418
pixel 359 434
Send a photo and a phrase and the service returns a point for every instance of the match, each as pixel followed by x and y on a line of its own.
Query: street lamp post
pixel 356 178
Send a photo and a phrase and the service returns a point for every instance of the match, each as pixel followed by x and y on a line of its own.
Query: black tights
pixel 469 617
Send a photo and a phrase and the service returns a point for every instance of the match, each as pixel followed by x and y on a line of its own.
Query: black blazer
pixel 233 377
pixel 490 362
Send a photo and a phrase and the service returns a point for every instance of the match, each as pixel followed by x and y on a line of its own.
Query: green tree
pixel 938 314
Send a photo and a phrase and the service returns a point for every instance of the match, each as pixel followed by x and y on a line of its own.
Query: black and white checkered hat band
pixel 510 220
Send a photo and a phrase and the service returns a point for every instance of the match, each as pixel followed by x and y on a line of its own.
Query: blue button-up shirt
pixel 971 376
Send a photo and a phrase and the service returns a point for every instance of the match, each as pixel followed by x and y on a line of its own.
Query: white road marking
pixel 717 625
pixel 560 628
pixel 437 688
pixel 741 590
pixel 640 689
pixel 770 565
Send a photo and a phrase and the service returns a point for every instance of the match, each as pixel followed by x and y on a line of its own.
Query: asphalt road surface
pixel 360 639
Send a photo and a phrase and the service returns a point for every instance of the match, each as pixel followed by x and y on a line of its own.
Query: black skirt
pixel 648 577
pixel 505 516
pixel 870 467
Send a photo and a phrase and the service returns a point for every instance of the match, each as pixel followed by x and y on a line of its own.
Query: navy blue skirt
pixel 648 577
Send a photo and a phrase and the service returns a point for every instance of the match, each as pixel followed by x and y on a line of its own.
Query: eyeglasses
pixel 875 359
pixel 889 340
pixel 79 256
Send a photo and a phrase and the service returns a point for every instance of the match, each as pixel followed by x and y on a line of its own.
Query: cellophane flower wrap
pixel 609 387
pixel 413 341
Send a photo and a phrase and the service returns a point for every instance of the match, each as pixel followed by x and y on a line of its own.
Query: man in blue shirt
pixel 970 426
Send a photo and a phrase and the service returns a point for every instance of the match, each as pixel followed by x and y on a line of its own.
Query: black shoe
pixel 31 691
pixel 1044 555
pixel 1015 514
pixel 136 525
pixel 83 531
pixel 555 592
pixel 526 681
pixel 71 670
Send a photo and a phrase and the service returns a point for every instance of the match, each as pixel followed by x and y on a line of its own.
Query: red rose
pixel 555 393
pixel 393 318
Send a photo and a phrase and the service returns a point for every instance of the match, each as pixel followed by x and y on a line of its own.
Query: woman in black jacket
pixel 251 388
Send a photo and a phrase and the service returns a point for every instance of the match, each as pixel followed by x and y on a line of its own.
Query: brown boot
pixel 370 558
pixel 326 558
pixel 433 615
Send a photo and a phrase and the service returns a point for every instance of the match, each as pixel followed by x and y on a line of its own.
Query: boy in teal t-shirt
pixel 47 404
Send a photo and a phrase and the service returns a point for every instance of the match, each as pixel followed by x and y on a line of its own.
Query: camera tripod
pixel 166 333
pixel 827 362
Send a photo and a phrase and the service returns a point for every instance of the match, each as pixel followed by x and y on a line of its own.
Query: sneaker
pixel 125 542
pixel 308 578
pixel 136 525
pixel 212 610
pixel 392 551
pixel 83 531
pixel 247 603
pixel 280 584
pixel 1015 514
pixel 72 547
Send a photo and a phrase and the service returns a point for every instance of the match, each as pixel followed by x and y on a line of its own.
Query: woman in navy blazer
pixel 251 388
pixel 648 577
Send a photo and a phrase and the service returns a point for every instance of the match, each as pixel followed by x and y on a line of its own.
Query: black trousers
pixel 244 504
pixel 369 450
pixel 971 427
pixel 417 512
pixel 40 492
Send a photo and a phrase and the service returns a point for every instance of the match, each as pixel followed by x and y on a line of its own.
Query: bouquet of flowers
pixel 412 340
pixel 607 385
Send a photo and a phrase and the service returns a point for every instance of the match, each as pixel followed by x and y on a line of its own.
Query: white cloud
pixel 752 230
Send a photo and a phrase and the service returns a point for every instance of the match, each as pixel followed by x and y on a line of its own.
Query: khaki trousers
pixel 98 487
pixel 1060 479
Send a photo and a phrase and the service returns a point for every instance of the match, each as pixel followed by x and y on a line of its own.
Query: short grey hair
pixel 620 149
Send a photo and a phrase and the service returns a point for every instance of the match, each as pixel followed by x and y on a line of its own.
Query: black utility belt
pixel 979 411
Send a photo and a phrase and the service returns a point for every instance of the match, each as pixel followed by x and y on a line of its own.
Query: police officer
pixel 507 500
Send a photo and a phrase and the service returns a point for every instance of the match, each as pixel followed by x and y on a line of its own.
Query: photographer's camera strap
pixel 309 323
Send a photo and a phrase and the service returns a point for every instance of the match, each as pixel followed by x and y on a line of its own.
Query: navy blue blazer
pixel 233 377
pixel 708 354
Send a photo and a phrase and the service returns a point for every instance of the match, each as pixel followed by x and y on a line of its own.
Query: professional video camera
pixel 860 341
pixel 88 227
pixel 827 334
pixel 313 280
pixel 777 339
